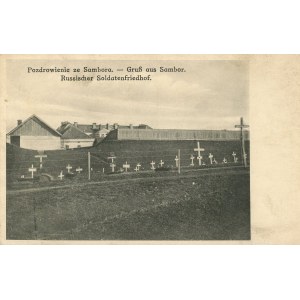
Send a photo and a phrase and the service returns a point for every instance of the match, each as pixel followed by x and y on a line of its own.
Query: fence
pixel 175 134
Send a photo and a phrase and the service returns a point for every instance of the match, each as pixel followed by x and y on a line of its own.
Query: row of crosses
pixel 69 167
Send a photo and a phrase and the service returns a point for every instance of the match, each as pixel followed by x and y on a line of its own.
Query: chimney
pixel 75 124
pixel 19 122
pixel 131 126
pixel 115 125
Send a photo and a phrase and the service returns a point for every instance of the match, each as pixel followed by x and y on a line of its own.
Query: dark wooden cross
pixel 242 126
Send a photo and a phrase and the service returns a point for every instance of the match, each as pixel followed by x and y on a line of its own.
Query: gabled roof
pixel 39 121
pixel 70 131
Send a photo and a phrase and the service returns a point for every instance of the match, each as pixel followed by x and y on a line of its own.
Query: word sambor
pixel 152 69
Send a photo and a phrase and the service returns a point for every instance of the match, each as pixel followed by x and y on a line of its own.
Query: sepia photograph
pixel 151 150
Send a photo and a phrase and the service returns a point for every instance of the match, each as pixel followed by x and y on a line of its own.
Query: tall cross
pixel 79 170
pixel 138 166
pixel 41 156
pixel 176 161
pixel 126 166
pixel 61 175
pixel 112 165
pixel 192 159
pixel 242 126
pixel 198 149
pixel 32 169
pixel 152 165
pixel 161 163
pixel 69 168
pixel 210 157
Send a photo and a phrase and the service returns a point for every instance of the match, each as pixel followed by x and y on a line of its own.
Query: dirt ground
pixel 212 206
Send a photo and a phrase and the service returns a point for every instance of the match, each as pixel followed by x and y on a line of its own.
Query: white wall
pixel 75 143
pixel 40 142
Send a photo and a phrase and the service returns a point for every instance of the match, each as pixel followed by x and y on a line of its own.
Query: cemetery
pixel 117 190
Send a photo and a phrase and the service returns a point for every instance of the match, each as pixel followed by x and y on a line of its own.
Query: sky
pixel 210 94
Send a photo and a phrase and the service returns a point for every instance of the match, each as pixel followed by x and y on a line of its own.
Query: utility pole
pixel 242 126
pixel 89 164
pixel 178 161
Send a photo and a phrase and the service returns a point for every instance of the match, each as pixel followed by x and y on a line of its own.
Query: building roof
pixel 70 131
pixel 39 121
pixel 93 128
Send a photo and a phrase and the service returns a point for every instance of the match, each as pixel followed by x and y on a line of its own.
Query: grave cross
pixel 234 158
pixel 138 166
pixel 69 168
pixel 41 156
pixel 176 161
pixel 161 163
pixel 242 126
pixel 112 165
pixel 192 159
pixel 198 149
pixel 126 166
pixel 210 157
pixel 199 160
pixel 79 170
pixel 61 175
pixel 112 157
pixel 152 165
pixel 136 169
pixel 32 169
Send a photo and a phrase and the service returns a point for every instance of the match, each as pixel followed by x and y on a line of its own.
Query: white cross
pixel 69 168
pixel 198 149
pixel 126 166
pixel 210 157
pixel 152 165
pixel 234 158
pixel 176 160
pixel 192 159
pixel 32 169
pixel 224 161
pixel 112 158
pixel 138 166
pixel 61 175
pixel 161 163
pixel 79 170
pixel 40 156
pixel 199 160
pixel 136 169
pixel 112 165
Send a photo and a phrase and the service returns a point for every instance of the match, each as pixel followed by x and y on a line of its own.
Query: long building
pixel 175 135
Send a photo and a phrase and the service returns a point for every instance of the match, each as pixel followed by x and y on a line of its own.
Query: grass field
pixel 214 206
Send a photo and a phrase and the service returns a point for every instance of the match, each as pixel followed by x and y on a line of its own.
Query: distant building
pixel 34 134
pixel 175 134
pixel 73 137
pixel 100 131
